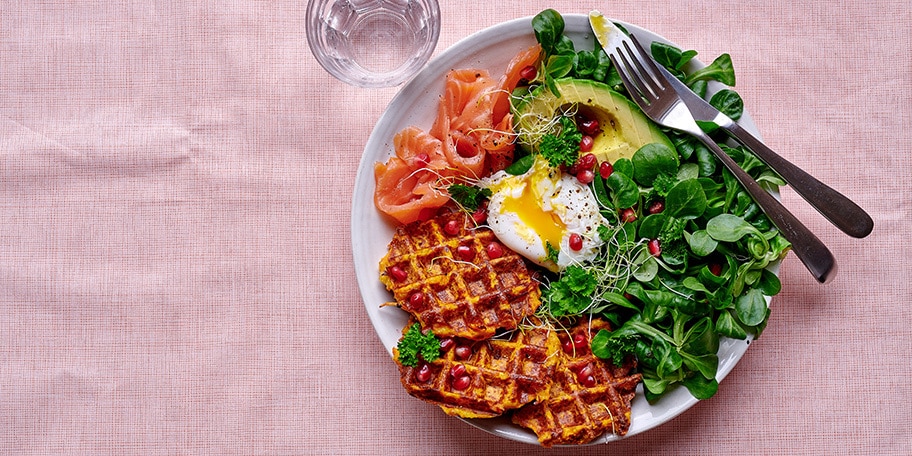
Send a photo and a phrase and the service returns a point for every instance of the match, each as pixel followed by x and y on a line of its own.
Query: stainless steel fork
pixel 650 89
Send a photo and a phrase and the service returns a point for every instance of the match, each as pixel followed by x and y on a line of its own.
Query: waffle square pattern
pixel 483 379
pixel 456 279
pixel 588 397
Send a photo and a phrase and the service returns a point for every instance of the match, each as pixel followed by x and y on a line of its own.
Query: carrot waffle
pixel 483 379
pixel 456 279
pixel 588 397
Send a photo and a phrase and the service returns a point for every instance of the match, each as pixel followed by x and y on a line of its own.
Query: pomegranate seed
pixel 589 127
pixel 587 381
pixel 480 216
pixel 447 343
pixel 461 383
pixel 656 207
pixel 567 346
pixel 417 299
pixel 574 169
pixel 528 73
pixel 716 269
pixel 587 161
pixel 398 274
pixel 463 352
pixel 586 143
pixel 465 253
pixel 576 242
pixel 605 169
pixel 451 227
pixel 585 370
pixel 494 250
pixel 585 176
pixel 457 371
pixel 580 341
pixel 654 248
pixel 628 215
pixel 424 373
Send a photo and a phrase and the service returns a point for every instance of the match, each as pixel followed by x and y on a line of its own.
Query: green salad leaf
pixel 721 69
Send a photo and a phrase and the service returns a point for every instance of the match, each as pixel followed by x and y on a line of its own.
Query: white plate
pixel 416 104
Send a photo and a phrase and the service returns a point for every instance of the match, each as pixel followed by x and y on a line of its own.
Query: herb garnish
pixel 572 294
pixel 415 344
pixel 552 252
pixel 563 146
pixel 467 196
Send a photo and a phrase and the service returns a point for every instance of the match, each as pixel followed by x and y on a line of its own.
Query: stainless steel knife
pixel 838 209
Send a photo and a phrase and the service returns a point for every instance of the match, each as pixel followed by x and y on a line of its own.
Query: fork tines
pixel 638 71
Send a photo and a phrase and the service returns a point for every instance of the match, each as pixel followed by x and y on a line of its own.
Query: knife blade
pixel 834 206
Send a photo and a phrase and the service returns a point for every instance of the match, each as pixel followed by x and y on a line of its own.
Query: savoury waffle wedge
pixel 588 397
pixel 483 379
pixel 456 279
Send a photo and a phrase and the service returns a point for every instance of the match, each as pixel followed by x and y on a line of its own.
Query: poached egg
pixel 540 210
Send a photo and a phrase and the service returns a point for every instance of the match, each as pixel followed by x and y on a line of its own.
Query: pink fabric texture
pixel 175 264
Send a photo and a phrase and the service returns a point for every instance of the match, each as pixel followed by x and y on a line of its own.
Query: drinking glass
pixel 373 43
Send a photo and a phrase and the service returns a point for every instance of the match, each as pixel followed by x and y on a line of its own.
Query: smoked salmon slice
pixel 512 77
pixel 471 137
pixel 409 184
pixel 465 111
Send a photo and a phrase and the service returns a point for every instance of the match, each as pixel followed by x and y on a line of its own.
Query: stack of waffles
pixel 497 358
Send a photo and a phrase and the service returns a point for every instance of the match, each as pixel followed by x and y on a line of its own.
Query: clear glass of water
pixel 373 43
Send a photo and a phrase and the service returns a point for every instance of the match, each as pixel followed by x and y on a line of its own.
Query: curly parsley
pixel 672 230
pixel 468 196
pixel 416 344
pixel 552 252
pixel 663 184
pixel 671 237
pixel 572 293
pixel 562 147
pixel 614 346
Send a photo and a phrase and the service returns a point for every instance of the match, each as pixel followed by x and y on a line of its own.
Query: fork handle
pixel 816 257
pixel 839 210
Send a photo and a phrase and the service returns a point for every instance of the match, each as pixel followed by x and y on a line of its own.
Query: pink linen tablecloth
pixel 175 260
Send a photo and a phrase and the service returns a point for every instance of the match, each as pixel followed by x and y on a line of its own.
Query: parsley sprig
pixel 561 147
pixel 416 344
pixel 467 196
pixel 572 293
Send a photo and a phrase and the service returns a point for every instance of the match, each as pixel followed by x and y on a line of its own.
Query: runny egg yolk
pixel 528 208
pixel 534 214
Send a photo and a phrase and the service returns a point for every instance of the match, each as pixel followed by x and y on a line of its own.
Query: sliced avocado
pixel 624 126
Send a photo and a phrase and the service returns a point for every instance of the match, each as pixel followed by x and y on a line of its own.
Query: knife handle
pixel 839 210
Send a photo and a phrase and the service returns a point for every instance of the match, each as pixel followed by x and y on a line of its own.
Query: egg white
pixel 527 210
